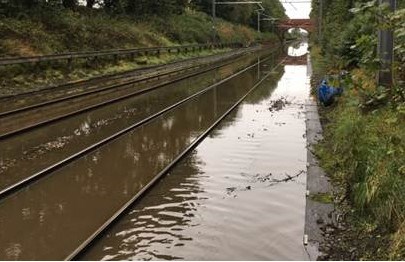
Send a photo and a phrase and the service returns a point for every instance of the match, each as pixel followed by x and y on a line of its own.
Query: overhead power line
pixel 296 2
pixel 237 3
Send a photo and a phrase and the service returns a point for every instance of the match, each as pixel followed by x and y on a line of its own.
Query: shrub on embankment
pixel 364 153
pixel 364 132
pixel 56 30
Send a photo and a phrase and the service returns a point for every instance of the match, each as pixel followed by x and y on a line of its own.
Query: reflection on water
pixel 240 195
pixel 50 218
pixel 298 49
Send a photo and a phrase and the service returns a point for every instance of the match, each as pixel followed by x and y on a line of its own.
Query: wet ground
pixel 239 195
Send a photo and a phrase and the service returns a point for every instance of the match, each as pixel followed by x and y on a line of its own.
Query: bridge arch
pixel 306 24
pixel 284 25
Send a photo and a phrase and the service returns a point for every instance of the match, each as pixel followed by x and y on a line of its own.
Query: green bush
pixel 364 151
pixel 55 30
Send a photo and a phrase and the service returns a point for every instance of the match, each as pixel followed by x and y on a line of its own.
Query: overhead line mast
pixel 215 2
pixel 386 50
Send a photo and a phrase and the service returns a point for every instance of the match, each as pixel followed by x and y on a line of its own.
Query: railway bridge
pixel 286 24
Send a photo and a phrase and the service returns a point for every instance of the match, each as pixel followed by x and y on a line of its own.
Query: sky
pixel 294 10
pixel 297 10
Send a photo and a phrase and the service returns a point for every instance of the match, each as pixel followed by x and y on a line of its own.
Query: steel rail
pixel 79 250
pixel 36 176
pixel 112 76
pixel 113 100
pixel 89 54
pixel 108 87
pixel 92 91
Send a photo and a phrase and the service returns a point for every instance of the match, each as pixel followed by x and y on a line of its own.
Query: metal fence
pixel 6 61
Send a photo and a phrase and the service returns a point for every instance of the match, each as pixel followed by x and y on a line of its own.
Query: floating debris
pixel 230 190
pixel 277 105
pixel 6 164
pixel 35 152
pixel 287 178
pixel 262 178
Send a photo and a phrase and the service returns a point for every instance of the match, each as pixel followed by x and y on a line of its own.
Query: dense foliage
pixel 30 27
pixel 349 32
pixel 364 144
pixel 144 9
pixel 244 14
pixel 62 30
pixel 37 27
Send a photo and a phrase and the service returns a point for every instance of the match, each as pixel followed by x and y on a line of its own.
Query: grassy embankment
pixel 55 31
pixel 363 151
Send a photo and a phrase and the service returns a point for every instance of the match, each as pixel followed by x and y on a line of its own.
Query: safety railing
pixel 6 61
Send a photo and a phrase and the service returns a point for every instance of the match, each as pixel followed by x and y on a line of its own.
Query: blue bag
pixel 327 93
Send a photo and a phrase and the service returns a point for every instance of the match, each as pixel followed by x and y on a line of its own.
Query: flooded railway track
pixel 238 195
pixel 52 94
pixel 88 242
pixel 35 154
pixel 75 215
pixel 35 112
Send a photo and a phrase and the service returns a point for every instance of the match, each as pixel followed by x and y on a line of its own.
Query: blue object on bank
pixel 327 93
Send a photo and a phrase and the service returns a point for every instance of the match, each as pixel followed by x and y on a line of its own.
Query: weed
pixel 322 198
pixel 364 152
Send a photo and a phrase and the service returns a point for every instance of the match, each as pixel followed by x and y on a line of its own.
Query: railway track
pixel 18 102
pixel 75 255
pixel 7 188
pixel 22 118
pixel 48 171
pixel 11 189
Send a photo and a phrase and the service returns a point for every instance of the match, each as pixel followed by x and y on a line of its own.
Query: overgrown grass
pixel 51 30
pixel 56 31
pixel 45 31
pixel 364 152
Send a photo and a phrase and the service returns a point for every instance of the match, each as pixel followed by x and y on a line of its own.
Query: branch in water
pixel 288 178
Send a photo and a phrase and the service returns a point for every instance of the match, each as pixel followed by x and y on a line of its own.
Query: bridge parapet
pixel 306 24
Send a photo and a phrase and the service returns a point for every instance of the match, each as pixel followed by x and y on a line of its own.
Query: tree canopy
pixel 144 9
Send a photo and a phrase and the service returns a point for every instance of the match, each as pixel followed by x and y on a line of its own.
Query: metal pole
pixel 214 3
pixel 320 20
pixel 385 51
pixel 258 22
pixel 213 21
pixel 213 11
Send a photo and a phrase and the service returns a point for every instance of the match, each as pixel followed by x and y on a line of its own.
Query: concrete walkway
pixel 318 214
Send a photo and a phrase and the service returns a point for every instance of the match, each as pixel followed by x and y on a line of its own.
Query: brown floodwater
pixel 30 152
pixel 50 218
pixel 239 195
pixel 26 119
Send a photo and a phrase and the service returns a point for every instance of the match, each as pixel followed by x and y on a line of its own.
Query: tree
pixel 90 3
pixel 242 14
pixel 71 4
pixel 142 8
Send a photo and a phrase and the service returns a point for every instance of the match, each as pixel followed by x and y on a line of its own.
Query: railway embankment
pixel 363 145
pixel 44 32
pixel 362 152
